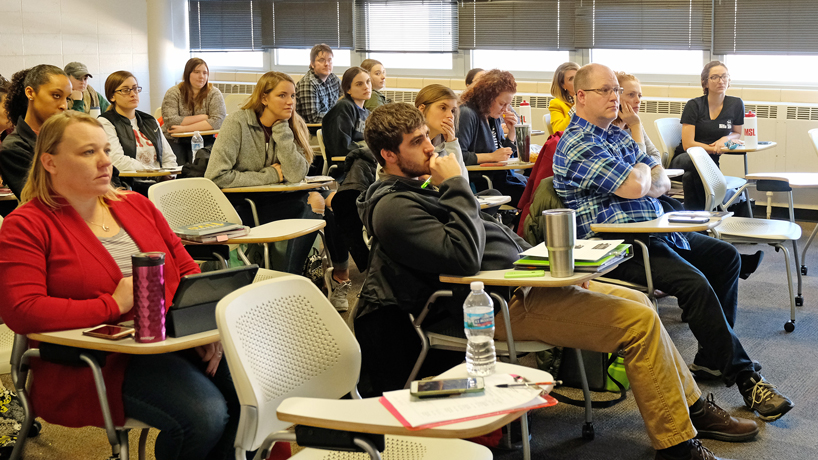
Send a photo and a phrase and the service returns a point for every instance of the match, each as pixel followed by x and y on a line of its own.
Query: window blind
pixel 221 25
pixel 426 26
pixel 306 23
pixel 763 27
pixel 643 24
pixel 516 24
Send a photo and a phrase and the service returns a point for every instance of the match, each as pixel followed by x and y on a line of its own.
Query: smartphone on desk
pixel 109 331
pixel 688 220
pixel 445 387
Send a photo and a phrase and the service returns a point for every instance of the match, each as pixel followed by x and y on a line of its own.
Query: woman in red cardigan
pixel 65 264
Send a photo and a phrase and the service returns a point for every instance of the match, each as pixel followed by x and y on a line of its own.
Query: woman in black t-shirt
pixel 707 121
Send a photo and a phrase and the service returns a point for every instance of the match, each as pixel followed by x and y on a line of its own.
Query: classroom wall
pixel 105 35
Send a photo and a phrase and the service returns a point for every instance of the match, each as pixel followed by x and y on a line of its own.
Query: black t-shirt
pixel 697 113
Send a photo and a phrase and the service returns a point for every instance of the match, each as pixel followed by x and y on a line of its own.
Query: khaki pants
pixel 607 318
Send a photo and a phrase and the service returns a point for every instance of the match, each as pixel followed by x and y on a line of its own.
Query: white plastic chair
pixel 813 135
pixel 193 200
pixel 744 229
pixel 282 338
pixel 546 119
pixel 157 113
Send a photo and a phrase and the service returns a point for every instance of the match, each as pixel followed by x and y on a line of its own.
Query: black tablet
pixel 210 287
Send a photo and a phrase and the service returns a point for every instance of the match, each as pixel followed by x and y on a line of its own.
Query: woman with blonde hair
pixel 438 104
pixel 562 88
pixel 192 105
pixel 266 142
pixel 66 264
pixel 377 73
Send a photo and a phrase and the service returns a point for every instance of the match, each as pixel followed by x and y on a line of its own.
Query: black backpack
pixel 198 166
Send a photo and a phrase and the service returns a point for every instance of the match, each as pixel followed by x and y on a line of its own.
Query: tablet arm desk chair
pixel 546 119
pixel 328 169
pixel 20 358
pixel 748 230
pixel 282 338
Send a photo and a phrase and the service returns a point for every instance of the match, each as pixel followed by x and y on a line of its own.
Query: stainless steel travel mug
pixel 560 235
pixel 523 141
pixel 149 296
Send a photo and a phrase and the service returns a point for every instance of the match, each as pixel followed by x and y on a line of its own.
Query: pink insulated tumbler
pixel 149 296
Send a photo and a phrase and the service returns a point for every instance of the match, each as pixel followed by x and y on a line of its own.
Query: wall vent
pixel 662 107
pixel 235 88
pixel 802 113
pixel 763 111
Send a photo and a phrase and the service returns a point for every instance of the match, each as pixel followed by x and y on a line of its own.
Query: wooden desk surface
pixel 10 197
pixel 369 415
pixel 280 230
pixel 147 173
pixel 518 165
pixel 286 187
pixel 338 158
pixel 74 338
pixel 208 132
pixel 795 179
pixel 741 151
pixel 660 225
pixel 497 278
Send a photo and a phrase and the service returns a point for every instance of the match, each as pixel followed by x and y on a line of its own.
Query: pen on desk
pixel 426 184
pixel 527 384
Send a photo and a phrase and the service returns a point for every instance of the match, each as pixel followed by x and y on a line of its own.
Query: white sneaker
pixel 340 291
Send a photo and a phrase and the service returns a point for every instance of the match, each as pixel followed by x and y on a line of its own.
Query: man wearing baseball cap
pixel 84 96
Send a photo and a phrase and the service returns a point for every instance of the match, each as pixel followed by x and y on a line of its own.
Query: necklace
pixel 104 227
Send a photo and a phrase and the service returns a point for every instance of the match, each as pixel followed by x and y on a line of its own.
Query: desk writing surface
pixel 517 165
pixel 794 179
pixel 497 278
pixel 286 187
pixel 147 173
pixel 660 225
pixel 674 172
pixel 742 151
pixel 279 230
pixel 207 132
pixel 74 338
pixel 370 416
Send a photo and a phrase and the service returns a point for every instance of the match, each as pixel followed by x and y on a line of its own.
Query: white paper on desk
pixel 589 250
pixel 490 200
pixel 419 412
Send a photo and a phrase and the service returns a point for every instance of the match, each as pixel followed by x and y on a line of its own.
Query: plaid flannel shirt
pixel 589 165
pixel 314 98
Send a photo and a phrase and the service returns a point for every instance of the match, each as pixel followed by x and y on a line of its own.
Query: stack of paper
pixel 426 413
pixel 589 255
pixel 211 231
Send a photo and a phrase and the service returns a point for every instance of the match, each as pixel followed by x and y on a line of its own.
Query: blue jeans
pixel 197 415
pixel 705 280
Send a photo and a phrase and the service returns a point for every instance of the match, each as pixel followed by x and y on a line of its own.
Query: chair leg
pixel 242 256
pixel 143 442
pixel 424 350
pixel 19 372
pixel 806 248
pixel 588 428
pixel 799 299
pixel 525 432
pixel 648 274
pixel 123 446
pixel 790 325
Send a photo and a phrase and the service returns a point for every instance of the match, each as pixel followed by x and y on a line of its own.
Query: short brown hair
pixel 472 73
pixel 386 126
pixel 559 78
pixel 112 83
pixel 38 184
pixel 706 74
pixel 317 50
pixel 488 88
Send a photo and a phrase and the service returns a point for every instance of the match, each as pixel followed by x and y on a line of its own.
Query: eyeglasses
pixel 127 91
pixel 605 92
pixel 725 77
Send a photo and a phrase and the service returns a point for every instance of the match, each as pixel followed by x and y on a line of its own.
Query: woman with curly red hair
pixel 486 107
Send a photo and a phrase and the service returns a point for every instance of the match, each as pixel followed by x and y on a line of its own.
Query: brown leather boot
pixel 697 452
pixel 715 423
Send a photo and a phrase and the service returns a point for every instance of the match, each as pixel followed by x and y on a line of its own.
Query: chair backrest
pixel 715 186
pixel 1 221
pixel 670 136
pixel 546 119
pixel 283 338
pixel 320 135
pixel 157 113
pixel 190 201
pixel 813 135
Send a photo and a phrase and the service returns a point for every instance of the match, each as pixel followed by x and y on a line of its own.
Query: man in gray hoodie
pixel 419 233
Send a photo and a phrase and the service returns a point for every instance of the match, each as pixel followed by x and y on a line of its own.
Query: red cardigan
pixel 55 274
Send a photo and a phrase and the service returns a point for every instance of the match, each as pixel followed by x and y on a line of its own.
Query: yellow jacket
pixel 559 114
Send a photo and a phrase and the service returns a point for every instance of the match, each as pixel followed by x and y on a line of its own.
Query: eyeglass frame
pixel 127 91
pixel 715 78
pixel 607 92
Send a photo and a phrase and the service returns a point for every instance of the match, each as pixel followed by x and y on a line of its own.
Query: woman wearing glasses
pixel 708 121
pixel 192 105
pixel 136 139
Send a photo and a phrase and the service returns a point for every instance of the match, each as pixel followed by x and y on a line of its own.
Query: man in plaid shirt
pixel 319 89
pixel 600 172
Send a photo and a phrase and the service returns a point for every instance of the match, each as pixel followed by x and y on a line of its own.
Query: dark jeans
pixel 705 280
pixel 351 227
pixel 275 206
pixel 337 244
pixel 197 415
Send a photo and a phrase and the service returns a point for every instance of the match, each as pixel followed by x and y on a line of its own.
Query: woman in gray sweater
pixel 266 143
pixel 192 105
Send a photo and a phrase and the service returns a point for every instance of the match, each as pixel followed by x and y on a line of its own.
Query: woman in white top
pixel 136 138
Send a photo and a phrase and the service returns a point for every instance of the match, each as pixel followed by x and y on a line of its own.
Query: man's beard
pixel 412 170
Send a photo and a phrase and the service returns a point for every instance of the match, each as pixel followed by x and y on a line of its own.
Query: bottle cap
pixel 525 103
pixel 750 114
pixel 476 285
pixel 148 259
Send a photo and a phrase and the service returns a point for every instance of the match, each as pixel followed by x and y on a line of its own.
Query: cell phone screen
pixel 446 385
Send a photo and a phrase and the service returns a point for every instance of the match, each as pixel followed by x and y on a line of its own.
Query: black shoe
pixel 697 452
pixel 750 263
pixel 761 396
pixel 704 370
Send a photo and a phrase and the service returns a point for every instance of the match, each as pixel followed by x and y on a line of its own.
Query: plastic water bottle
pixel 478 320
pixel 525 113
pixel 196 143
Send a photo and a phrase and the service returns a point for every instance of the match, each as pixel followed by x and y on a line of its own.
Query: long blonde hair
pixel 435 93
pixel 622 77
pixel 265 85
pixel 559 78
pixel 38 184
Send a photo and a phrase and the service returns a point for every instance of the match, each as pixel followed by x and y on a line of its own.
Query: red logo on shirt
pixel 140 138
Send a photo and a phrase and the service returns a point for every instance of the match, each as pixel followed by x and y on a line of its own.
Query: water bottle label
pixel 478 321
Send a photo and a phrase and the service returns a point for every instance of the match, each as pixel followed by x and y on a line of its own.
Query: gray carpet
pixel 789 361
